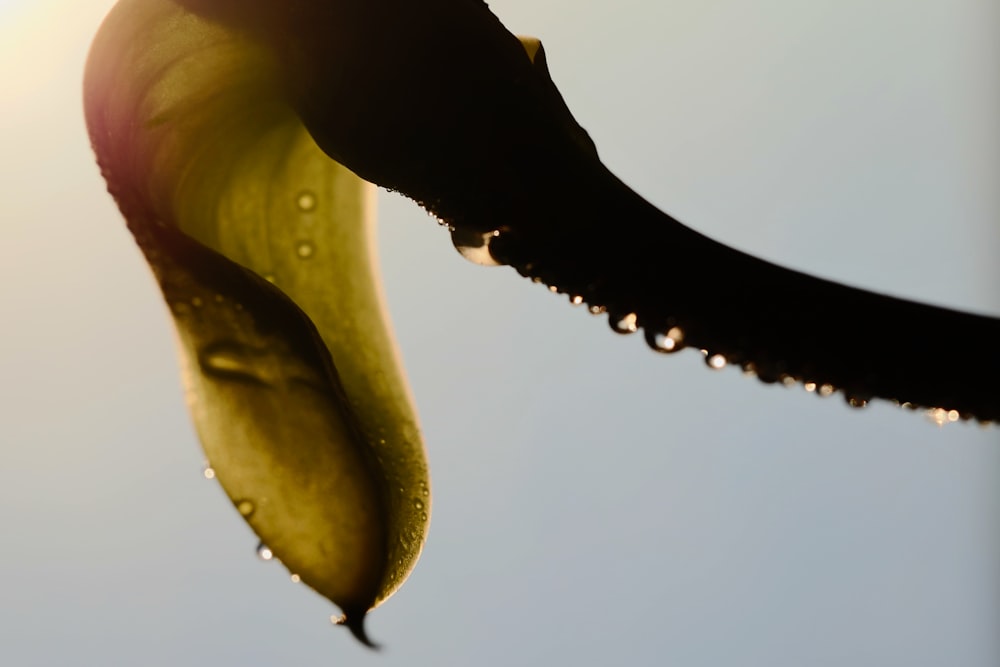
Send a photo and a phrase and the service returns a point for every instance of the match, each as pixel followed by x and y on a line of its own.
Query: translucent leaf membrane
pixel 263 248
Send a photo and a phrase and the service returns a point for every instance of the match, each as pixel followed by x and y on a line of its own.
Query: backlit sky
pixel 594 503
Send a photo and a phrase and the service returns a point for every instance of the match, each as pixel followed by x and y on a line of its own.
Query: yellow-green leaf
pixel 263 248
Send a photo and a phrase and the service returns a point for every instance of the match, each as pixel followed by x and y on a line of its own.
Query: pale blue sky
pixel 594 503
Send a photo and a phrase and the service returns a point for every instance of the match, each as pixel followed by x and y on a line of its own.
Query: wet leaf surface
pixel 262 247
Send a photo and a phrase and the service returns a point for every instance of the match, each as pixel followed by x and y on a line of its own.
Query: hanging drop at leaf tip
pixel 355 622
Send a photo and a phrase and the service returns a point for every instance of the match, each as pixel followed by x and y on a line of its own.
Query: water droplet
pixel 419 504
pixel 264 552
pixel 424 491
pixel 269 277
pixel 423 516
pixel 788 380
pixel 208 471
pixel 809 386
pixel 597 310
pixel 671 341
pixel 245 508
pixel 219 298
pixel 953 415
pixel 180 309
pixel 625 324
pixel 855 401
pixel 576 299
pixel 338 620
pixel 306 201
pixel 826 390
pixel 295 578
pixel 197 302
pixel 716 361
pixel 554 289
pixel 938 416
pixel 305 249
pixel 231 361
pixel 475 246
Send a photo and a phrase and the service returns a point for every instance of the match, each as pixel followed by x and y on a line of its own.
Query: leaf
pixel 437 100
pixel 263 249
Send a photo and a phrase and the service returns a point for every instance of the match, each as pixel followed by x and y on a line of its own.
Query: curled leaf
pixel 263 249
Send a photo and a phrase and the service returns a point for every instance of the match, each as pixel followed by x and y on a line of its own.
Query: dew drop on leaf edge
pixel 245 508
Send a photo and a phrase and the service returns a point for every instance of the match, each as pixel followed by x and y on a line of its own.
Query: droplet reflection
pixel 305 249
pixel 716 361
pixel 856 401
pixel 475 246
pixel 625 324
pixel 245 508
pixel 671 341
pixel 306 201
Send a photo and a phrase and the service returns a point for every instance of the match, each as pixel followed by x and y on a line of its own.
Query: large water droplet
pixel 306 201
pixel 295 578
pixel 623 324
pixel 305 249
pixel 475 246
pixel 716 361
pixel 826 390
pixel 670 341
pixel 809 386
pixel 231 361
pixel 575 299
pixel 264 552
pixel 208 471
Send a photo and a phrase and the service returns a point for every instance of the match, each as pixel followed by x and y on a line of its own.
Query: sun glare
pixel 38 38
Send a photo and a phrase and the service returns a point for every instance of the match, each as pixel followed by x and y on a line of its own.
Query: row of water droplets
pixel 264 553
pixel 672 340
pixel 246 509
pixel 475 247
pixel 183 308
pixel 306 203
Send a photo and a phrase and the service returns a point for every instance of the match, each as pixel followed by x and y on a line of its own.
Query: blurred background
pixel 594 503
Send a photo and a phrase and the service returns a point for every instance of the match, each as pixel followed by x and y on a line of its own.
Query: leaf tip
pixel 355 622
